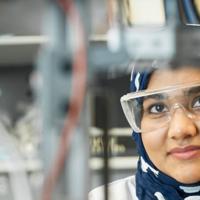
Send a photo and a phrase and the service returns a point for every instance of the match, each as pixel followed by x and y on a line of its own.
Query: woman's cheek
pixel 154 141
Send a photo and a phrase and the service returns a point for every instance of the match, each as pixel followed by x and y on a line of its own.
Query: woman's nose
pixel 181 125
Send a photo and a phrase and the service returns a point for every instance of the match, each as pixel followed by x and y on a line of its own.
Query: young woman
pixel 164 111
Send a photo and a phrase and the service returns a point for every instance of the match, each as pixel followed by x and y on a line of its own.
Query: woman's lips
pixel 185 153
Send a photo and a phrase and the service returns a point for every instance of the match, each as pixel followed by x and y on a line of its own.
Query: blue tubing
pixel 190 12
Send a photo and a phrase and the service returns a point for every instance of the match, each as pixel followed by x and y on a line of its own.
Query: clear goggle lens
pixel 148 110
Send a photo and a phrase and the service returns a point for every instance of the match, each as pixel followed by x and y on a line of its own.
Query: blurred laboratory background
pixel 64 64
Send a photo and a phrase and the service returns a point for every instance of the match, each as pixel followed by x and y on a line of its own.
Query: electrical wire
pixel 79 79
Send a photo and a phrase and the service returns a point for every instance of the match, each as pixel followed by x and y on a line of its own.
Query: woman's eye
pixel 196 102
pixel 157 108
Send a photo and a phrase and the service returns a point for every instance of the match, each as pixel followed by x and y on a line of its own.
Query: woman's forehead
pixel 162 78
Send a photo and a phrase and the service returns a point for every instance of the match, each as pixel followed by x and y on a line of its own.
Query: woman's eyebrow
pixel 156 96
pixel 192 90
pixel 162 96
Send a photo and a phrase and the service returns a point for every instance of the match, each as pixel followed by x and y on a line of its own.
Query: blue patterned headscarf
pixel 151 183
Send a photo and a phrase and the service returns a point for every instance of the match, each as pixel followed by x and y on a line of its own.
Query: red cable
pixel 79 77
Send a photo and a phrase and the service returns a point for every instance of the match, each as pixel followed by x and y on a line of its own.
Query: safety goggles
pixel 148 110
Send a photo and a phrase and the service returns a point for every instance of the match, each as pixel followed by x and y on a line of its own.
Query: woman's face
pixel 175 149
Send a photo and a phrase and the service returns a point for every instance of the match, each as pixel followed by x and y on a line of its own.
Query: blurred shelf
pixel 23 40
pixel 125 132
pixel 117 131
pixel 20 50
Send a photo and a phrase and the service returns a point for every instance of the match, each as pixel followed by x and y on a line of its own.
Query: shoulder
pixel 118 190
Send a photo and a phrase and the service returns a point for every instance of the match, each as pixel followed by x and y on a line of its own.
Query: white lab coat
pixel 122 189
